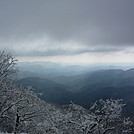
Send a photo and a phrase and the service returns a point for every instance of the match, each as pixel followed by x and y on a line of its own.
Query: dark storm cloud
pixel 90 22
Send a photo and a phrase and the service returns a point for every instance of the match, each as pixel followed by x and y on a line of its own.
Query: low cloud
pixel 48 47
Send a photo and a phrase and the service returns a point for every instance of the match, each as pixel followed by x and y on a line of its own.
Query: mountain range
pixel 84 89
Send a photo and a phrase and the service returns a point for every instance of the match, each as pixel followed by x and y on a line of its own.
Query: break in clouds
pixel 66 27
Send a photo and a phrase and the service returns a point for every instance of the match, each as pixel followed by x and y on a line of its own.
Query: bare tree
pixel 108 117
pixel 7 90
pixel 19 107
pixel 7 65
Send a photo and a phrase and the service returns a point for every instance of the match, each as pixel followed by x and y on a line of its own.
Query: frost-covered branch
pixel 7 64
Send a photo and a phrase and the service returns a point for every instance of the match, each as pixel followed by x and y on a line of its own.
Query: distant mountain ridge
pixel 77 83
pixel 51 91
pixel 52 69
pixel 98 79
pixel 86 88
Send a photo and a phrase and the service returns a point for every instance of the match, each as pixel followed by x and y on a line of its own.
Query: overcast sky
pixel 68 30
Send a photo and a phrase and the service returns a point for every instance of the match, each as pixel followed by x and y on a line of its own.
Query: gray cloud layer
pixel 93 24
pixel 61 52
